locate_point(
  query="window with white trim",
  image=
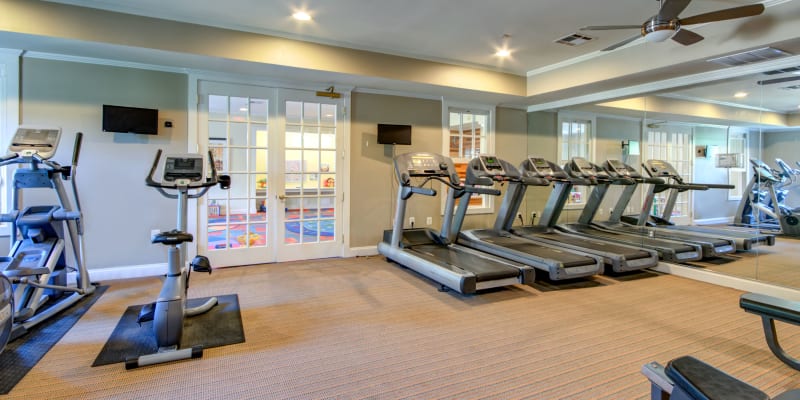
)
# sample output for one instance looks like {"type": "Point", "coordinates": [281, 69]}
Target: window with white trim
{"type": "Point", "coordinates": [9, 114]}
{"type": "Point", "coordinates": [469, 132]}
{"type": "Point", "coordinates": [737, 176]}
{"type": "Point", "coordinates": [575, 140]}
{"type": "Point", "coordinates": [673, 144]}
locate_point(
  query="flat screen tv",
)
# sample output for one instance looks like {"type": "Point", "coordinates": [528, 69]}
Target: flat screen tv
{"type": "Point", "coordinates": [394, 134]}
{"type": "Point", "coordinates": [130, 120]}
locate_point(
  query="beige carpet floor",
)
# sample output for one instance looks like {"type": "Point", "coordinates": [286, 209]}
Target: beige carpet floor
{"type": "Point", "coordinates": [364, 328]}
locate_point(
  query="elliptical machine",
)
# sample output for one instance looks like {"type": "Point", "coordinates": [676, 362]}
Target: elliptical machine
{"type": "Point", "coordinates": [187, 176]}
{"type": "Point", "coordinates": [34, 275]}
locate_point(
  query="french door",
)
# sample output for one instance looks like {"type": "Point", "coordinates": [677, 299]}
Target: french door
{"type": "Point", "coordinates": [281, 148]}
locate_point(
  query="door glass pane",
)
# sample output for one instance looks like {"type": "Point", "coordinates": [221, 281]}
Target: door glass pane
{"type": "Point", "coordinates": [238, 134]}
{"type": "Point", "coordinates": [311, 170]}
{"type": "Point", "coordinates": [237, 137]}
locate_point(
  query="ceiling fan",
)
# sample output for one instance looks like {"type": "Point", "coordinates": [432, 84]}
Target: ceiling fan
{"type": "Point", "coordinates": [666, 24]}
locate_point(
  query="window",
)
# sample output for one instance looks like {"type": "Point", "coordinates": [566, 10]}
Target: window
{"type": "Point", "coordinates": [9, 113]}
{"type": "Point", "coordinates": [737, 176]}
{"type": "Point", "coordinates": [674, 145]}
{"type": "Point", "coordinates": [575, 140]}
{"type": "Point", "coordinates": [469, 132]}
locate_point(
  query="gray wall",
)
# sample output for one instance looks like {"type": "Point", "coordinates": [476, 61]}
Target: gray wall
{"type": "Point", "coordinates": [119, 210]}
{"type": "Point", "coordinates": [711, 203]}
{"type": "Point", "coordinates": [372, 179]}
{"type": "Point", "coordinates": [542, 142]}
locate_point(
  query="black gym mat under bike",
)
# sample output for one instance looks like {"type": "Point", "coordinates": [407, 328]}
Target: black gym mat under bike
{"type": "Point", "coordinates": [220, 326]}
{"type": "Point", "coordinates": [23, 353]}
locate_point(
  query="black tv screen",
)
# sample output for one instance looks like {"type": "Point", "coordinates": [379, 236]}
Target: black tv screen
{"type": "Point", "coordinates": [394, 134]}
{"type": "Point", "coordinates": [130, 120]}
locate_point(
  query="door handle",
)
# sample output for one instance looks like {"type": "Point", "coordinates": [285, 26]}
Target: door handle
{"type": "Point", "coordinates": [282, 196]}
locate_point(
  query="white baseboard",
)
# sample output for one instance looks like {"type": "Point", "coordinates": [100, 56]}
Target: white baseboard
{"type": "Point", "coordinates": [125, 272]}
{"type": "Point", "coordinates": [362, 251]}
{"type": "Point", "coordinates": [735, 282]}
{"type": "Point", "coordinates": [714, 221]}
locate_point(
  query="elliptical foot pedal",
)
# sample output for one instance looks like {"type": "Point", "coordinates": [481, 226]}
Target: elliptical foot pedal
{"type": "Point", "coordinates": [147, 313]}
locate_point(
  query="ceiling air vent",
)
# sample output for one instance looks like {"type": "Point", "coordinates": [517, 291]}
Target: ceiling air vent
{"type": "Point", "coordinates": [750, 57]}
{"type": "Point", "coordinates": [575, 39]}
{"type": "Point", "coordinates": [782, 71]}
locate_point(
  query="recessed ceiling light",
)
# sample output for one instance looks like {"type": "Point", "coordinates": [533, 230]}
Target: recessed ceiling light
{"type": "Point", "coordinates": [503, 53]}
{"type": "Point", "coordinates": [301, 16]}
{"type": "Point", "coordinates": [740, 94]}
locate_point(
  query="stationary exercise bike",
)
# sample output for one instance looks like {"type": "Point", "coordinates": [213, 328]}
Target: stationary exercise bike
{"type": "Point", "coordinates": [187, 176]}
{"type": "Point", "coordinates": [33, 286]}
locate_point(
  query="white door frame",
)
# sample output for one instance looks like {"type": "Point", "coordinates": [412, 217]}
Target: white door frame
{"type": "Point", "coordinates": [193, 144]}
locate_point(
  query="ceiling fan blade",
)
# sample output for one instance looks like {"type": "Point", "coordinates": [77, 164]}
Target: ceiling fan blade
{"type": "Point", "coordinates": [671, 8]}
{"type": "Point", "coordinates": [609, 27]}
{"type": "Point", "coordinates": [686, 37]}
{"type": "Point", "coordinates": [779, 80]}
{"type": "Point", "coordinates": [622, 43]}
{"type": "Point", "coordinates": [722, 15]}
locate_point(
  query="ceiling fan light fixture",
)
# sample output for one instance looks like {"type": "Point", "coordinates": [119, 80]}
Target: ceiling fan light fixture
{"type": "Point", "coordinates": [659, 31]}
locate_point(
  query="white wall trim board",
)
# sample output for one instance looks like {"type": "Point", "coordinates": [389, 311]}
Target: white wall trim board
{"type": "Point", "coordinates": [362, 251]}
{"type": "Point", "coordinates": [714, 221]}
{"type": "Point", "coordinates": [743, 284]}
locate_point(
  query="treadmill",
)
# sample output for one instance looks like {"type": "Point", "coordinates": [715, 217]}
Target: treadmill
{"type": "Point", "coordinates": [593, 175]}
{"type": "Point", "coordinates": [616, 257]}
{"type": "Point", "coordinates": [744, 238]}
{"type": "Point", "coordinates": [559, 263]}
{"type": "Point", "coordinates": [712, 245]}
{"type": "Point", "coordinates": [430, 253]}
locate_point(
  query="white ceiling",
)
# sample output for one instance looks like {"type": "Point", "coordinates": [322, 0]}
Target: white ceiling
{"type": "Point", "coordinates": [464, 32]}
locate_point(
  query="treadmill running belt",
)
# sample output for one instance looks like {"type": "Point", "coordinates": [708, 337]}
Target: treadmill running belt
{"type": "Point", "coordinates": [484, 269]}
{"type": "Point", "coordinates": [589, 244]}
{"type": "Point", "coordinates": [644, 240]}
{"type": "Point", "coordinates": [522, 246]}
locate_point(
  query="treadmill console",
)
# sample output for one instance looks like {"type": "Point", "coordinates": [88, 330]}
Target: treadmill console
{"type": "Point", "coordinates": [540, 166]}
{"type": "Point", "coordinates": [423, 164]}
{"type": "Point", "coordinates": [619, 168]}
{"type": "Point", "coordinates": [183, 169]}
{"type": "Point", "coordinates": [41, 141]}
{"type": "Point", "coordinates": [659, 168]}
{"type": "Point", "coordinates": [491, 165]}
{"type": "Point", "coordinates": [583, 167]}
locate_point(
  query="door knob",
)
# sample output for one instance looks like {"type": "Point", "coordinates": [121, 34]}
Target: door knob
{"type": "Point", "coordinates": [282, 196]}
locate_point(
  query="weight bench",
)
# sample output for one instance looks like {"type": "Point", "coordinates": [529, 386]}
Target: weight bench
{"type": "Point", "coordinates": [687, 378]}
{"type": "Point", "coordinates": [771, 309]}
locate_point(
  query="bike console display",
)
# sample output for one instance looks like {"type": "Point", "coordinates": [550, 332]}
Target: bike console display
{"type": "Point", "coordinates": [187, 168]}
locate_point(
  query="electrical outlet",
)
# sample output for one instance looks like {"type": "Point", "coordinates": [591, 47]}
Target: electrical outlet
{"type": "Point", "coordinates": [411, 221]}
{"type": "Point", "coordinates": [429, 220]}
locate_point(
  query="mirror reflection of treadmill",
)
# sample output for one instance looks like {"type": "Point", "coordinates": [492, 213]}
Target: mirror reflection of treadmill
{"type": "Point", "coordinates": [743, 238]}
{"type": "Point", "coordinates": [616, 257]}
{"type": "Point", "coordinates": [710, 246]}
{"type": "Point", "coordinates": [668, 250]}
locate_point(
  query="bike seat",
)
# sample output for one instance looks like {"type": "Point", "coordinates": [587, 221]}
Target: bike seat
{"type": "Point", "coordinates": [172, 237]}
